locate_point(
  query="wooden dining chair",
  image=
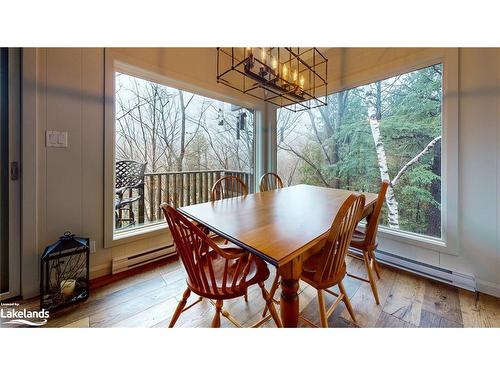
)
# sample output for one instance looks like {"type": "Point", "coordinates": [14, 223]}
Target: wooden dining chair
{"type": "Point", "coordinates": [215, 273]}
{"type": "Point", "coordinates": [228, 187]}
{"type": "Point", "coordinates": [270, 181]}
{"type": "Point", "coordinates": [365, 240]}
{"type": "Point", "coordinates": [327, 267]}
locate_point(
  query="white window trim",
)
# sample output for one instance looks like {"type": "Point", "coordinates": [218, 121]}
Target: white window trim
{"type": "Point", "coordinates": [114, 62]}
{"type": "Point", "coordinates": [448, 243]}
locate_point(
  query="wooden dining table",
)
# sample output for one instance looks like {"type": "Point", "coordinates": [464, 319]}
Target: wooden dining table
{"type": "Point", "coordinates": [280, 226]}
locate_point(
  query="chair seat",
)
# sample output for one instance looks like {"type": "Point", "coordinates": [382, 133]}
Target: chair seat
{"type": "Point", "coordinates": [119, 203]}
{"type": "Point", "coordinates": [309, 269]}
{"type": "Point", "coordinates": [359, 241]}
{"type": "Point", "coordinates": [219, 240]}
{"type": "Point", "coordinates": [223, 243]}
{"type": "Point", "coordinates": [258, 272]}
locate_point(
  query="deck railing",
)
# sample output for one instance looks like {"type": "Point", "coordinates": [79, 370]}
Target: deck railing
{"type": "Point", "coordinates": [179, 189]}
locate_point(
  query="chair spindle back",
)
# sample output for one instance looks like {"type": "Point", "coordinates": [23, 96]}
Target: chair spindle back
{"type": "Point", "coordinates": [270, 181]}
{"type": "Point", "coordinates": [228, 187]}
{"type": "Point", "coordinates": [373, 220]}
{"type": "Point", "coordinates": [335, 249]}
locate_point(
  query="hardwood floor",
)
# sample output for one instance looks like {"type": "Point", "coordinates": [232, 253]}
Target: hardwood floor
{"type": "Point", "coordinates": [148, 299]}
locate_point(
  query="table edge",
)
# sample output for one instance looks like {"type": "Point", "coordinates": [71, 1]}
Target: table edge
{"type": "Point", "coordinates": [231, 239]}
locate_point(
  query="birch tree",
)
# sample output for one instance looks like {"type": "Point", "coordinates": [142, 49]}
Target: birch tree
{"type": "Point", "coordinates": [375, 115]}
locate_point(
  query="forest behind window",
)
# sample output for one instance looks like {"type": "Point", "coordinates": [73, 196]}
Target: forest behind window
{"type": "Point", "coordinates": [386, 130]}
{"type": "Point", "coordinates": [177, 133]}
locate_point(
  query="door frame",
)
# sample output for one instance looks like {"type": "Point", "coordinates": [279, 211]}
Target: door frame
{"type": "Point", "coordinates": [14, 186]}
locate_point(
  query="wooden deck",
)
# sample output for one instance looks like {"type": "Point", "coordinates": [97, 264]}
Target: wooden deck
{"type": "Point", "coordinates": [148, 299]}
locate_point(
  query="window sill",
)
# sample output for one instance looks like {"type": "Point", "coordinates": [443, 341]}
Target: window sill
{"type": "Point", "coordinates": [429, 243]}
{"type": "Point", "coordinates": [138, 234]}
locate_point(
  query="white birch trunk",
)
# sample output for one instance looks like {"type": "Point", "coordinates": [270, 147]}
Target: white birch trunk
{"type": "Point", "coordinates": [392, 204]}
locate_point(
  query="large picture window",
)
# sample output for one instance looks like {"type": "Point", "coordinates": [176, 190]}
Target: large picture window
{"type": "Point", "coordinates": [389, 129]}
{"type": "Point", "coordinates": [171, 146]}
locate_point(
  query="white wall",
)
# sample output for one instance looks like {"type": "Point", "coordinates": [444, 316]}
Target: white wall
{"type": "Point", "coordinates": [63, 188]}
{"type": "Point", "coordinates": [479, 165]}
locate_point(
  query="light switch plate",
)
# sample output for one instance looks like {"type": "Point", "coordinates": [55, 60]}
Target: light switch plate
{"type": "Point", "coordinates": [56, 138]}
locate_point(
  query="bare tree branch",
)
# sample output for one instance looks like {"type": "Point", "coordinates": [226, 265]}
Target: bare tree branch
{"type": "Point", "coordinates": [405, 167]}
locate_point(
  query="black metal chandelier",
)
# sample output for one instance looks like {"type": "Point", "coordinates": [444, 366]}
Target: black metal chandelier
{"type": "Point", "coordinates": [294, 78]}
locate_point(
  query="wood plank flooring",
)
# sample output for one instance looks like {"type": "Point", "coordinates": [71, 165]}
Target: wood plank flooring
{"type": "Point", "coordinates": [149, 299]}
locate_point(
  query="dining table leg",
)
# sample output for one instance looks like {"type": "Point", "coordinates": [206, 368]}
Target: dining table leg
{"type": "Point", "coordinates": [289, 301]}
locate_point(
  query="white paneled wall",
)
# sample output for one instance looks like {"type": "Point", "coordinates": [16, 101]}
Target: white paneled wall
{"type": "Point", "coordinates": [478, 158]}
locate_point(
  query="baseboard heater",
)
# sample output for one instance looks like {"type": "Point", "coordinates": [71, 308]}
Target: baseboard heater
{"type": "Point", "coordinates": [125, 263]}
{"type": "Point", "coordinates": [426, 270]}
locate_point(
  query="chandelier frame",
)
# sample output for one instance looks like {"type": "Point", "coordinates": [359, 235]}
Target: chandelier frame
{"type": "Point", "coordinates": [294, 78]}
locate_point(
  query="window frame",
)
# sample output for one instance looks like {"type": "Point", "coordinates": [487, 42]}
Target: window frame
{"type": "Point", "coordinates": [115, 62]}
{"type": "Point", "coordinates": [398, 241]}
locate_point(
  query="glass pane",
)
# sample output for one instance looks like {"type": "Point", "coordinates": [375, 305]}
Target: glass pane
{"type": "Point", "coordinates": [389, 129]}
{"type": "Point", "coordinates": [186, 142]}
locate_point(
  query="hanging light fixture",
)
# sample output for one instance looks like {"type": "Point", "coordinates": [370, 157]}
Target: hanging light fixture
{"type": "Point", "coordinates": [294, 78]}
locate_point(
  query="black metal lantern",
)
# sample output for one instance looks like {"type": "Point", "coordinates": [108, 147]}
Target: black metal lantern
{"type": "Point", "coordinates": [64, 272]}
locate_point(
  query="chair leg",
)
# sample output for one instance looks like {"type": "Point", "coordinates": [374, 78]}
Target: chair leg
{"type": "Point", "coordinates": [272, 292]}
{"type": "Point", "coordinates": [270, 305]}
{"type": "Point", "coordinates": [346, 300]}
{"type": "Point", "coordinates": [375, 264]}
{"type": "Point", "coordinates": [218, 308]}
{"type": "Point", "coordinates": [322, 310]}
{"type": "Point", "coordinates": [370, 276]}
{"type": "Point", "coordinates": [179, 308]}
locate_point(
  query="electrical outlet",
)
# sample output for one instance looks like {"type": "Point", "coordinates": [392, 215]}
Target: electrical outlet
{"type": "Point", "coordinates": [92, 246]}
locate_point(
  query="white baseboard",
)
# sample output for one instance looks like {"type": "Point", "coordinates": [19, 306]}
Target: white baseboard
{"type": "Point", "coordinates": [100, 270]}
{"type": "Point", "coordinates": [488, 287]}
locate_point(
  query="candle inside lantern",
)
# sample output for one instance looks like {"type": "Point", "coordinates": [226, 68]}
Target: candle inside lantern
{"type": "Point", "coordinates": [294, 76]}
{"type": "Point", "coordinates": [301, 82]}
{"type": "Point", "coordinates": [68, 287]}
{"type": "Point", "coordinates": [263, 55]}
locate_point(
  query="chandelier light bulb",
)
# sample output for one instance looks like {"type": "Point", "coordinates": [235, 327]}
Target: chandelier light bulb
{"type": "Point", "coordinates": [274, 63]}
{"type": "Point", "coordinates": [301, 82]}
